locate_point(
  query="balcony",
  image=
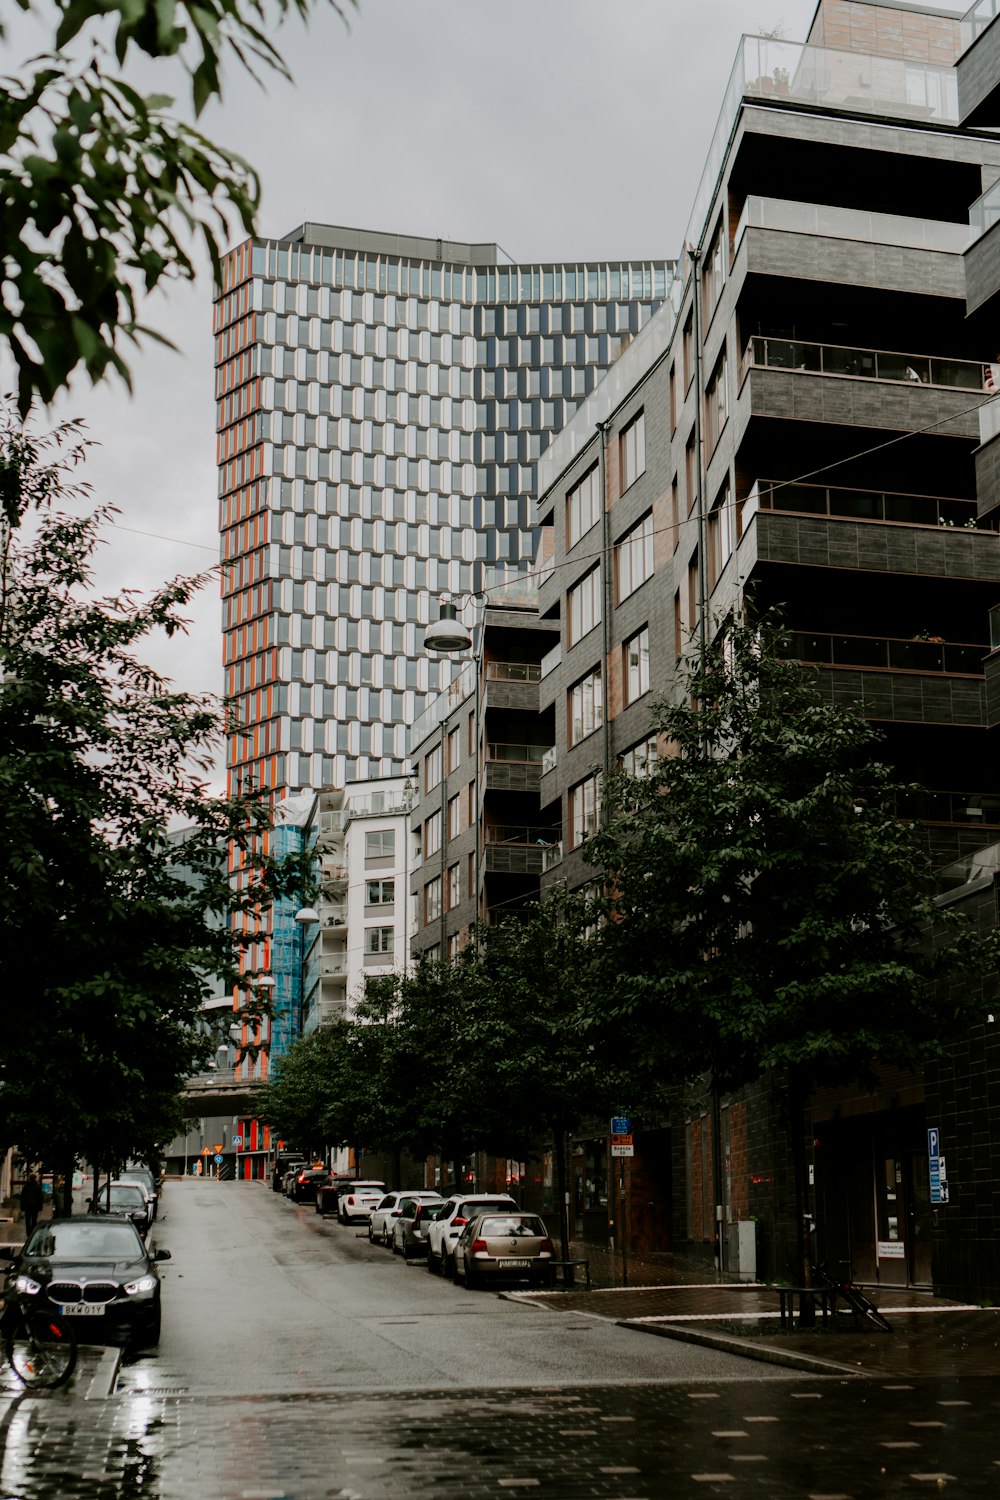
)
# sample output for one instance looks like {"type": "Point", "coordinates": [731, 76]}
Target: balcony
{"type": "Point", "coordinates": [334, 916]}
{"type": "Point", "coordinates": [919, 654]}
{"type": "Point", "coordinates": [516, 850]}
{"type": "Point", "coordinates": [874, 388]}
{"type": "Point", "coordinates": [978, 68]}
{"type": "Point", "coordinates": [513, 685]}
{"type": "Point", "coordinates": [829, 222]}
{"type": "Point", "coordinates": [514, 768]}
{"type": "Point", "coordinates": [513, 671]}
{"type": "Point", "coordinates": [884, 506]}
{"type": "Point", "coordinates": [982, 255]}
{"type": "Point", "coordinates": [793, 73]}
{"type": "Point", "coordinates": [980, 809]}
{"type": "Point", "coordinates": [552, 856]}
{"type": "Point", "coordinates": [333, 966]}
{"type": "Point", "coordinates": [551, 659]}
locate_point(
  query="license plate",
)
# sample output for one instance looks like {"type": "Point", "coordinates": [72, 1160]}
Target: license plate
{"type": "Point", "coordinates": [81, 1309]}
{"type": "Point", "coordinates": [517, 1265]}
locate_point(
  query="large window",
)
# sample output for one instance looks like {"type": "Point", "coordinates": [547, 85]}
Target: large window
{"type": "Point", "coordinates": [381, 844]}
{"type": "Point", "coordinates": [432, 899]}
{"type": "Point", "coordinates": [432, 834]}
{"type": "Point", "coordinates": [584, 605]}
{"type": "Point", "coordinates": [584, 807]}
{"type": "Point", "coordinates": [715, 403]}
{"type": "Point", "coordinates": [454, 816]}
{"type": "Point", "coordinates": [713, 273]}
{"type": "Point", "coordinates": [380, 892]}
{"type": "Point", "coordinates": [454, 748]}
{"type": "Point", "coordinates": [378, 939]}
{"type": "Point", "coordinates": [635, 677]}
{"type": "Point", "coordinates": [638, 760]}
{"type": "Point", "coordinates": [432, 769]}
{"type": "Point", "coordinates": [454, 886]}
{"type": "Point", "coordinates": [720, 536]}
{"type": "Point", "coordinates": [632, 451]}
{"type": "Point", "coordinates": [586, 706]}
{"type": "Point", "coordinates": [635, 557]}
{"type": "Point", "coordinates": [583, 505]}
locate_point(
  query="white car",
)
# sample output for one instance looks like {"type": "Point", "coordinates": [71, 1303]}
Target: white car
{"type": "Point", "coordinates": [385, 1214]}
{"type": "Point", "coordinates": [356, 1200]}
{"type": "Point", "coordinates": [443, 1233]}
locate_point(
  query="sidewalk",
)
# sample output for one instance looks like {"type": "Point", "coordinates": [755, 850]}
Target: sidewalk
{"type": "Point", "coordinates": [672, 1297]}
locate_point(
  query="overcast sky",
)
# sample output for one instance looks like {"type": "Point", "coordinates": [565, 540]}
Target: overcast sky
{"type": "Point", "coordinates": [564, 129]}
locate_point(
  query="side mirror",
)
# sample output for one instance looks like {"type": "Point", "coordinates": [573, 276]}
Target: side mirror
{"type": "Point", "coordinates": [163, 1255]}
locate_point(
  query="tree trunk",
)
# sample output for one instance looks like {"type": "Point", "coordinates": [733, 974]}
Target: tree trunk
{"type": "Point", "coordinates": [798, 1099]}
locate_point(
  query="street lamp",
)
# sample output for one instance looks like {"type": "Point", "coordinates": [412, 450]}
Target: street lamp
{"type": "Point", "coordinates": [446, 636]}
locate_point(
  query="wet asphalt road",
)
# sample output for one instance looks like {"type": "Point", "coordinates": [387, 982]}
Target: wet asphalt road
{"type": "Point", "coordinates": [300, 1363]}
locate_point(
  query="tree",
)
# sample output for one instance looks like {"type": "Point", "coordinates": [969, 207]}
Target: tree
{"type": "Point", "coordinates": [768, 909]}
{"type": "Point", "coordinates": [104, 192]}
{"type": "Point", "coordinates": [114, 894]}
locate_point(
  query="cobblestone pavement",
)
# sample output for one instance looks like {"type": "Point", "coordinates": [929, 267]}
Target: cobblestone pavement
{"type": "Point", "coordinates": [786, 1440]}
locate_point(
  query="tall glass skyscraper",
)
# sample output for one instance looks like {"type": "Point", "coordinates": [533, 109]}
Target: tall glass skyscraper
{"type": "Point", "coordinates": [382, 403]}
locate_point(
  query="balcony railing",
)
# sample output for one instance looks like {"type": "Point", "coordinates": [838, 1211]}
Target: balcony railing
{"type": "Point", "coordinates": [551, 659]}
{"type": "Point", "coordinates": [977, 18]}
{"type": "Point", "coordinates": [862, 505]}
{"type": "Point", "coordinates": [533, 754]}
{"type": "Point", "coordinates": [984, 212]}
{"type": "Point", "coordinates": [513, 671]}
{"type": "Point", "coordinates": [862, 364]}
{"type": "Point", "coordinates": [551, 856]}
{"type": "Point", "coordinates": [982, 809]}
{"type": "Point", "coordinates": [334, 916]}
{"type": "Point", "coordinates": [503, 833]}
{"type": "Point", "coordinates": [549, 760]}
{"type": "Point", "coordinates": [851, 224]}
{"type": "Point", "coordinates": [919, 654]}
{"type": "Point", "coordinates": [333, 968]}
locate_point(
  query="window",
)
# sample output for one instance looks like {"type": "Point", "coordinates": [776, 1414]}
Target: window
{"type": "Point", "coordinates": [378, 939]}
{"type": "Point", "coordinates": [432, 899]}
{"type": "Point", "coordinates": [690, 473]}
{"type": "Point", "coordinates": [688, 349]}
{"type": "Point", "coordinates": [720, 536]}
{"type": "Point", "coordinates": [432, 769]}
{"type": "Point", "coordinates": [454, 748]}
{"type": "Point", "coordinates": [583, 505]}
{"type": "Point", "coordinates": [583, 603]}
{"type": "Point", "coordinates": [584, 804]}
{"type": "Point", "coordinates": [635, 557]}
{"type": "Point", "coordinates": [454, 885]}
{"type": "Point", "coordinates": [380, 892]}
{"type": "Point", "coordinates": [673, 398]}
{"type": "Point", "coordinates": [381, 844]}
{"type": "Point", "coordinates": [675, 514]}
{"type": "Point", "coordinates": [678, 626]}
{"type": "Point", "coordinates": [713, 273]}
{"type": "Point", "coordinates": [638, 760]}
{"type": "Point", "coordinates": [454, 816]}
{"type": "Point", "coordinates": [632, 451]}
{"type": "Point", "coordinates": [432, 834]}
{"type": "Point", "coordinates": [635, 674]}
{"type": "Point", "coordinates": [586, 706]}
{"type": "Point", "coordinates": [715, 403]}
{"type": "Point", "coordinates": [692, 591]}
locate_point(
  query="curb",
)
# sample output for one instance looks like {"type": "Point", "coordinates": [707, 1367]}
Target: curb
{"type": "Point", "coordinates": [765, 1353]}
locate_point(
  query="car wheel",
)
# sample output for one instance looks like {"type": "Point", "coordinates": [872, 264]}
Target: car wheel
{"type": "Point", "coordinates": [432, 1260]}
{"type": "Point", "coordinates": [471, 1280]}
{"type": "Point", "coordinates": [340, 1217]}
{"type": "Point", "coordinates": [447, 1265]}
{"type": "Point", "coordinates": [457, 1276]}
{"type": "Point", "coordinates": [151, 1337]}
{"type": "Point", "coordinates": [396, 1249]}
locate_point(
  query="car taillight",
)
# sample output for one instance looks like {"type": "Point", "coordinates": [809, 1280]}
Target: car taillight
{"type": "Point", "coordinates": [351, 1198]}
{"type": "Point", "coordinates": [479, 1247]}
{"type": "Point", "coordinates": [546, 1247]}
{"type": "Point", "coordinates": [303, 1177]}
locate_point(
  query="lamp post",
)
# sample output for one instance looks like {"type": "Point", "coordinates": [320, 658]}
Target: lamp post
{"type": "Point", "coordinates": [447, 636]}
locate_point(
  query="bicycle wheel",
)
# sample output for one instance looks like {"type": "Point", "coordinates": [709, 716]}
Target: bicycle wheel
{"type": "Point", "coordinates": [41, 1350]}
{"type": "Point", "coordinates": [859, 1303]}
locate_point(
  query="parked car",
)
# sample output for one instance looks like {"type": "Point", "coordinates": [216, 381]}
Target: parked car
{"type": "Point", "coordinates": [95, 1268]}
{"type": "Point", "coordinates": [356, 1201]}
{"type": "Point", "coordinates": [409, 1231]}
{"type": "Point", "coordinates": [129, 1199]}
{"type": "Point", "coordinates": [282, 1162]}
{"type": "Point", "coordinates": [149, 1180]}
{"type": "Point", "coordinates": [305, 1183]}
{"type": "Point", "coordinates": [443, 1232]}
{"type": "Point", "coordinates": [385, 1213]}
{"type": "Point", "coordinates": [287, 1182]}
{"type": "Point", "coordinates": [496, 1247]}
{"type": "Point", "coordinates": [327, 1194]}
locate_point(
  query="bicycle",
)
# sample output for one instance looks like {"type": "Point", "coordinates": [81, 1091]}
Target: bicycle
{"type": "Point", "coordinates": [40, 1346]}
{"type": "Point", "coordinates": [853, 1296]}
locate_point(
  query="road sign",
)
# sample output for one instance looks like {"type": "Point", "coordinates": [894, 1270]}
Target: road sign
{"type": "Point", "coordinates": [218, 1159]}
{"type": "Point", "coordinates": [206, 1150]}
{"type": "Point", "coordinates": [217, 1149]}
{"type": "Point", "coordinates": [621, 1145]}
{"type": "Point", "coordinates": [936, 1168]}
{"type": "Point", "coordinates": [933, 1142]}
{"type": "Point", "coordinates": [621, 1125]}
{"type": "Point", "coordinates": [237, 1140]}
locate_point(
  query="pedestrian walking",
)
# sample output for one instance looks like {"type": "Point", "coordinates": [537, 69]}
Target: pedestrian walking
{"type": "Point", "coordinates": [31, 1202]}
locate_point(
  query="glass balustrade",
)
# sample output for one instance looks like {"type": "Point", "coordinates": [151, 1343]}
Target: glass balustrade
{"type": "Point", "coordinates": [864, 505]}
{"type": "Point", "coordinates": [985, 212]}
{"type": "Point", "coordinates": [919, 654]}
{"type": "Point", "coordinates": [864, 364]}
{"type": "Point", "coordinates": [532, 754]}
{"type": "Point", "coordinates": [977, 18]}
{"type": "Point", "coordinates": [513, 671]}
{"type": "Point", "coordinates": [500, 833]}
{"type": "Point", "coordinates": [982, 809]}
{"type": "Point", "coordinates": [851, 224]}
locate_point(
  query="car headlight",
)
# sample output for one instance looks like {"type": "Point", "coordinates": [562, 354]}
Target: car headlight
{"type": "Point", "coordinates": [25, 1285]}
{"type": "Point", "coordinates": [144, 1284]}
